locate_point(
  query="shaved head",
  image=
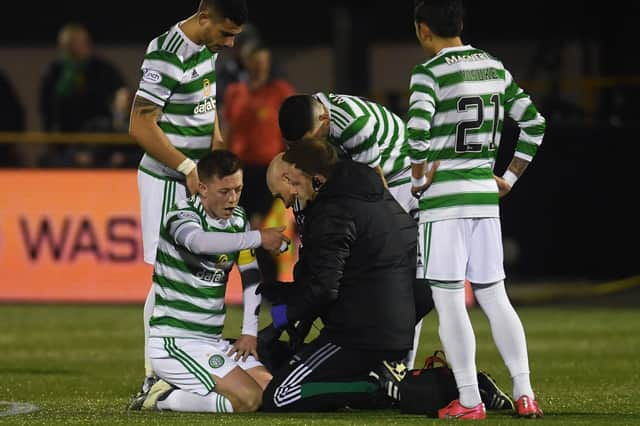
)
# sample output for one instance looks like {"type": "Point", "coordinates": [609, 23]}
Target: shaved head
{"type": "Point", "coordinates": [275, 171]}
{"type": "Point", "coordinates": [277, 180]}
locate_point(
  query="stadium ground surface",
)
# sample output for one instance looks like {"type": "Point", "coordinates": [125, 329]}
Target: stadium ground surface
{"type": "Point", "coordinates": [79, 364]}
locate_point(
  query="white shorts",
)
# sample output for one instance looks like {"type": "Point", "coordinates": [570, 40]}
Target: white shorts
{"type": "Point", "coordinates": [189, 363]}
{"type": "Point", "coordinates": [459, 249]}
{"type": "Point", "coordinates": [157, 195]}
{"type": "Point", "coordinates": [402, 194]}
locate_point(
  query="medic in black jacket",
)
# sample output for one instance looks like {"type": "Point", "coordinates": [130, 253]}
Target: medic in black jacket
{"type": "Point", "coordinates": [356, 272]}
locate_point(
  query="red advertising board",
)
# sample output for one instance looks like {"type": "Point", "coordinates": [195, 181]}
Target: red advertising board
{"type": "Point", "coordinates": [74, 236]}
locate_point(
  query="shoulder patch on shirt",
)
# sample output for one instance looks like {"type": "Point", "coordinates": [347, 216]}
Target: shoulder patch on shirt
{"type": "Point", "coordinates": [151, 76]}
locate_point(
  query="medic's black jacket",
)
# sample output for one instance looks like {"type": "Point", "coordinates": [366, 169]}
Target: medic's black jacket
{"type": "Point", "coordinates": [357, 267]}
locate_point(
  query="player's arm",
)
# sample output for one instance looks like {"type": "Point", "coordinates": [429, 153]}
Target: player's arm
{"type": "Point", "coordinates": [143, 126]}
{"type": "Point", "coordinates": [380, 173]}
{"type": "Point", "coordinates": [161, 73]}
{"type": "Point", "coordinates": [360, 142]}
{"type": "Point", "coordinates": [184, 226]}
{"type": "Point", "coordinates": [422, 100]}
{"type": "Point", "coordinates": [515, 169]}
{"type": "Point", "coordinates": [247, 343]}
{"type": "Point", "coordinates": [217, 142]}
{"type": "Point", "coordinates": [532, 126]}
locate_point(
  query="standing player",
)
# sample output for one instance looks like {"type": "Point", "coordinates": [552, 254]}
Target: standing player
{"type": "Point", "coordinates": [174, 116]}
{"type": "Point", "coordinates": [363, 131]}
{"type": "Point", "coordinates": [457, 103]}
{"type": "Point", "coordinates": [200, 241]}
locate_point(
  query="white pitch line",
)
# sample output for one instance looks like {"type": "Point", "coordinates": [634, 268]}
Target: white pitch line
{"type": "Point", "coordinates": [9, 408]}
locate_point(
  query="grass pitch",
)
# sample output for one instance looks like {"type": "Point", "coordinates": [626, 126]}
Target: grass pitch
{"type": "Point", "coordinates": [79, 364]}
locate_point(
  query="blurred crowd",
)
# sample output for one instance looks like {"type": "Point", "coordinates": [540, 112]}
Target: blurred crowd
{"type": "Point", "coordinates": [81, 91]}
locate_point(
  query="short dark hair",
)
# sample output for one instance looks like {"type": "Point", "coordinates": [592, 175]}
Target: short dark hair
{"type": "Point", "coordinates": [296, 117]}
{"type": "Point", "coordinates": [236, 10]}
{"type": "Point", "coordinates": [444, 17]}
{"type": "Point", "coordinates": [218, 163]}
{"type": "Point", "coordinates": [312, 157]}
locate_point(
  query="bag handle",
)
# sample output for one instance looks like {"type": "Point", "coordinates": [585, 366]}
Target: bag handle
{"type": "Point", "coordinates": [431, 361]}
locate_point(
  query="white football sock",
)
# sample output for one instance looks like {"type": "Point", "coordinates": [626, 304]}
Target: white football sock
{"type": "Point", "coordinates": [458, 341]}
{"type": "Point", "coordinates": [508, 334]}
{"type": "Point", "coordinates": [149, 304]}
{"type": "Point", "coordinates": [410, 359]}
{"type": "Point", "coordinates": [189, 402]}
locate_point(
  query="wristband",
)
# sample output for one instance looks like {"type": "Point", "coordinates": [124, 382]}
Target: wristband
{"type": "Point", "coordinates": [186, 166]}
{"type": "Point", "coordinates": [416, 183]}
{"type": "Point", "coordinates": [510, 177]}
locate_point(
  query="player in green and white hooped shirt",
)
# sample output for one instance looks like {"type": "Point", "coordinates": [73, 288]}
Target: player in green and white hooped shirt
{"type": "Point", "coordinates": [359, 129]}
{"type": "Point", "coordinates": [458, 98]}
{"type": "Point", "coordinates": [174, 115]}
{"type": "Point", "coordinates": [201, 239]}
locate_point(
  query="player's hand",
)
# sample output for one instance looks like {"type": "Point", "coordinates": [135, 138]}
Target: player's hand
{"type": "Point", "coordinates": [192, 182]}
{"type": "Point", "coordinates": [385, 183]}
{"type": "Point", "coordinates": [417, 191]}
{"type": "Point", "coordinates": [503, 186]}
{"type": "Point", "coordinates": [243, 347]}
{"type": "Point", "coordinates": [273, 239]}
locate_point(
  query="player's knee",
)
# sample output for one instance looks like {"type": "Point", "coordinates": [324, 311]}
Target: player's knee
{"type": "Point", "coordinates": [255, 400]}
{"type": "Point", "coordinates": [249, 400]}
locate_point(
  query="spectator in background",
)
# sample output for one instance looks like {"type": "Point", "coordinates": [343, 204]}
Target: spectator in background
{"type": "Point", "coordinates": [103, 155]}
{"type": "Point", "coordinates": [77, 88]}
{"type": "Point", "coordinates": [253, 134]}
{"type": "Point", "coordinates": [11, 120]}
{"type": "Point", "coordinates": [229, 66]}
{"type": "Point", "coordinates": [117, 121]}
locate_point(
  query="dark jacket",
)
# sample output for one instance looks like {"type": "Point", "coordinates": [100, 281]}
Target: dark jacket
{"type": "Point", "coordinates": [357, 267]}
{"type": "Point", "coordinates": [73, 94]}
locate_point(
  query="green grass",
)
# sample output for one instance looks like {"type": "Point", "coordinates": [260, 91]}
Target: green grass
{"type": "Point", "coordinates": [80, 363]}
